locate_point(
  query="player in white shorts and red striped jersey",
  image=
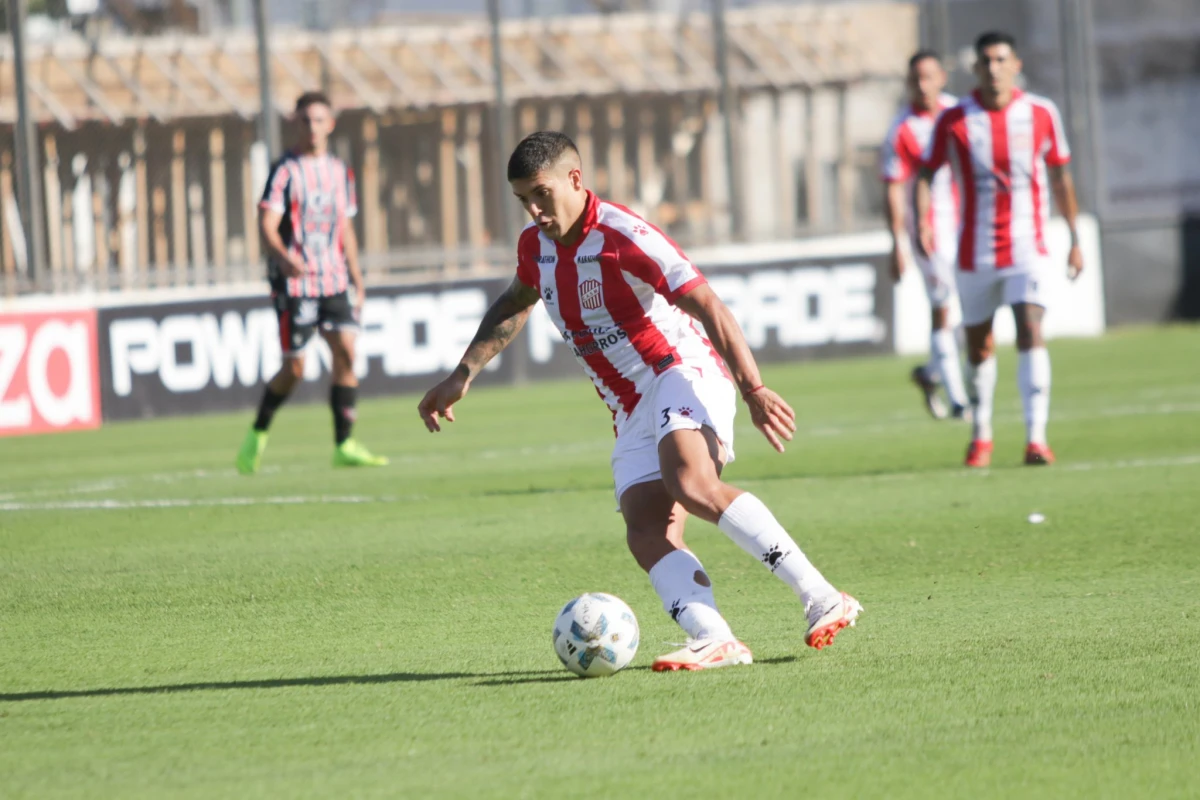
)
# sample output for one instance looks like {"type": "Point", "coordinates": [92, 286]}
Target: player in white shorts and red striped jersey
{"type": "Point", "coordinates": [899, 162]}
{"type": "Point", "coordinates": [1006, 148]}
{"type": "Point", "coordinates": [668, 359]}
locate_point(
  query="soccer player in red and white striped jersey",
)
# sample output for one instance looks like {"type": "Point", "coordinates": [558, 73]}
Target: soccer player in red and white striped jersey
{"type": "Point", "coordinates": [1008, 152]}
{"type": "Point", "coordinates": [305, 218]}
{"type": "Point", "coordinates": [899, 162]}
{"type": "Point", "coordinates": [668, 359]}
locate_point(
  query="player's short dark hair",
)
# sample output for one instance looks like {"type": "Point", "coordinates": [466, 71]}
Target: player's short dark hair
{"type": "Point", "coordinates": [311, 99]}
{"type": "Point", "coordinates": [537, 152]}
{"type": "Point", "coordinates": [921, 55]}
{"type": "Point", "coordinates": [992, 38]}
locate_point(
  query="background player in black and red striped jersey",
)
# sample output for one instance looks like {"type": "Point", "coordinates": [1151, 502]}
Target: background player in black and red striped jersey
{"type": "Point", "coordinates": [312, 261]}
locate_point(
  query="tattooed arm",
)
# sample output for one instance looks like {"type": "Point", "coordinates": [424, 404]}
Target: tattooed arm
{"type": "Point", "coordinates": [502, 322]}
{"type": "Point", "coordinates": [500, 325]}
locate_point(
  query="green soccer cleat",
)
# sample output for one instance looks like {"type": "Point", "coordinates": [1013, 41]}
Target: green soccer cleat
{"type": "Point", "coordinates": [352, 454]}
{"type": "Point", "coordinates": [249, 457]}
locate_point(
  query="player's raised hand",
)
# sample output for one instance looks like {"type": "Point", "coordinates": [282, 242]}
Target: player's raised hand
{"type": "Point", "coordinates": [772, 416]}
{"type": "Point", "coordinates": [1074, 262]}
{"type": "Point", "coordinates": [439, 401]}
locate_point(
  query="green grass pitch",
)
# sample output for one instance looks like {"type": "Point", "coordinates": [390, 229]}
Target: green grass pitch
{"type": "Point", "coordinates": [168, 629]}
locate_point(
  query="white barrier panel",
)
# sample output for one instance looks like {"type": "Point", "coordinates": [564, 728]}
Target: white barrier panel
{"type": "Point", "coordinates": [825, 247]}
{"type": "Point", "coordinates": [185, 351]}
{"type": "Point", "coordinates": [1074, 308]}
{"type": "Point", "coordinates": [49, 378]}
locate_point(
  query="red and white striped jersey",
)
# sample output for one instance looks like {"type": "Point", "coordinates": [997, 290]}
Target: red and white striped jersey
{"type": "Point", "coordinates": [316, 196]}
{"type": "Point", "coordinates": [999, 159]}
{"type": "Point", "coordinates": [612, 297]}
{"type": "Point", "coordinates": [899, 161]}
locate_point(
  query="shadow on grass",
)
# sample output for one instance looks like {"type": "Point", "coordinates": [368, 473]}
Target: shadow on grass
{"type": "Point", "coordinates": [517, 679]}
{"type": "Point", "coordinates": [274, 683]}
{"type": "Point", "coordinates": [486, 679]}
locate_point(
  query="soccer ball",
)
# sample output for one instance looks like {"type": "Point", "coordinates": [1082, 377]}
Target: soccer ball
{"type": "Point", "coordinates": [595, 634]}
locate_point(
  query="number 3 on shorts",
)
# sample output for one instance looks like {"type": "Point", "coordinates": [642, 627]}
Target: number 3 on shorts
{"type": "Point", "coordinates": [666, 412]}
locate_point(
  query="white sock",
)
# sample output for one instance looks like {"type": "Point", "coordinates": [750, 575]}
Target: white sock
{"type": "Point", "coordinates": [943, 352]}
{"type": "Point", "coordinates": [1033, 379]}
{"type": "Point", "coordinates": [677, 579]}
{"type": "Point", "coordinates": [753, 527]}
{"type": "Point", "coordinates": [982, 378]}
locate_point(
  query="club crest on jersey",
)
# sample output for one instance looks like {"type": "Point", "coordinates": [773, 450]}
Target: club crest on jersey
{"type": "Point", "coordinates": [591, 296]}
{"type": "Point", "coordinates": [317, 203]}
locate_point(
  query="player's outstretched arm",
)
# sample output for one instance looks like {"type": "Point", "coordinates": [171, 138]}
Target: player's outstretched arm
{"type": "Point", "coordinates": [500, 325]}
{"type": "Point", "coordinates": [1063, 187]}
{"type": "Point", "coordinates": [770, 414]}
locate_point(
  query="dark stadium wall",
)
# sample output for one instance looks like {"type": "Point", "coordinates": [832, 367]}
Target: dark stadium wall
{"type": "Point", "coordinates": [215, 354]}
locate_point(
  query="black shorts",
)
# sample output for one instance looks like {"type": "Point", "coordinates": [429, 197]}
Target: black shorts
{"type": "Point", "coordinates": [300, 317]}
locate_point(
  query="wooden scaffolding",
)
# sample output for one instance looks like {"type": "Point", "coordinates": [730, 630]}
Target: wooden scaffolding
{"type": "Point", "coordinates": [147, 143]}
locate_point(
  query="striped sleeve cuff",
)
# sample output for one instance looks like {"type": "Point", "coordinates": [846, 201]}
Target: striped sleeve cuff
{"type": "Point", "coordinates": [679, 292]}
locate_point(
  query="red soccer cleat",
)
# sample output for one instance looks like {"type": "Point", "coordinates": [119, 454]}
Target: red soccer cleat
{"type": "Point", "coordinates": [979, 454]}
{"type": "Point", "coordinates": [1039, 455]}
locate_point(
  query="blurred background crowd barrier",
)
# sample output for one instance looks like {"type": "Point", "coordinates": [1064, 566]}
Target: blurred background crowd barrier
{"type": "Point", "coordinates": [151, 149]}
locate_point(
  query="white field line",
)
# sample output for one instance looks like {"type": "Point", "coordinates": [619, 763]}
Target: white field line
{"type": "Point", "coordinates": [890, 423]}
{"type": "Point", "coordinates": [896, 423]}
{"type": "Point", "coordinates": [976, 474]}
{"type": "Point", "coordinates": [1135, 463]}
{"type": "Point", "coordinates": [125, 505]}
{"type": "Point", "coordinates": [95, 486]}
{"type": "Point", "coordinates": [207, 502]}
{"type": "Point", "coordinates": [115, 482]}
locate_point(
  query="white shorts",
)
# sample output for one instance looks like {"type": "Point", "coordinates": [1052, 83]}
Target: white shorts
{"type": "Point", "coordinates": [678, 399]}
{"type": "Point", "coordinates": [983, 291]}
{"type": "Point", "coordinates": [938, 273]}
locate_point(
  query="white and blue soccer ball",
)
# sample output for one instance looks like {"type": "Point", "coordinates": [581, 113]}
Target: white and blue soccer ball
{"type": "Point", "coordinates": [595, 634]}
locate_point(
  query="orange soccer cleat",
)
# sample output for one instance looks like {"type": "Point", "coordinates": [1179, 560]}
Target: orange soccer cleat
{"type": "Point", "coordinates": [827, 620]}
{"type": "Point", "coordinates": [704, 654]}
